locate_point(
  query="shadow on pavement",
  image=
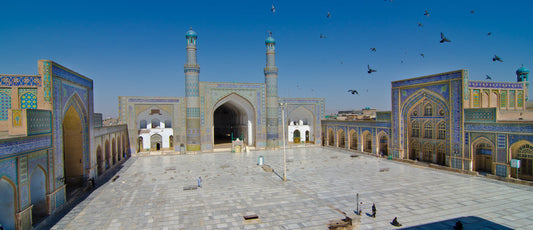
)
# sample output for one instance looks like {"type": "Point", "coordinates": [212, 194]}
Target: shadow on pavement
{"type": "Point", "coordinates": [469, 222]}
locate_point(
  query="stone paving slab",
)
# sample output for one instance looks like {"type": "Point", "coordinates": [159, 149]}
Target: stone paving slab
{"type": "Point", "coordinates": [322, 184]}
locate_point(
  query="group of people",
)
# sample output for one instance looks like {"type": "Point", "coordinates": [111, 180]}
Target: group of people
{"type": "Point", "coordinates": [374, 210]}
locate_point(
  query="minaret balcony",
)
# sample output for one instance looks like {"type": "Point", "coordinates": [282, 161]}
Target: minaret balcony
{"type": "Point", "coordinates": [271, 70]}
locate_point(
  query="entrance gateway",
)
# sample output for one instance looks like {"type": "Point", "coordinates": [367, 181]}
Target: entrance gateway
{"type": "Point", "coordinates": [233, 117]}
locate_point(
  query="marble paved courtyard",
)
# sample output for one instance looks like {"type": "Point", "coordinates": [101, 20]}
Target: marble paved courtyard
{"type": "Point", "coordinates": [322, 183]}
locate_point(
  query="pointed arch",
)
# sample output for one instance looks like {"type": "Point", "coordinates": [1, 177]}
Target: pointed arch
{"type": "Point", "coordinates": [38, 191]}
{"type": "Point", "coordinates": [523, 151]}
{"type": "Point", "coordinates": [383, 146]}
{"type": "Point", "coordinates": [8, 203]}
{"type": "Point", "coordinates": [341, 139]}
{"type": "Point", "coordinates": [331, 137]}
{"type": "Point", "coordinates": [421, 97]}
{"type": "Point", "coordinates": [367, 141]}
{"type": "Point", "coordinates": [304, 114]}
{"type": "Point", "coordinates": [483, 151]}
{"type": "Point", "coordinates": [244, 122]}
{"type": "Point", "coordinates": [353, 139]}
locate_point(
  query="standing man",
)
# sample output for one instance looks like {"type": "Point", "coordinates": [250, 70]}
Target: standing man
{"type": "Point", "coordinates": [374, 210]}
{"type": "Point", "coordinates": [199, 182]}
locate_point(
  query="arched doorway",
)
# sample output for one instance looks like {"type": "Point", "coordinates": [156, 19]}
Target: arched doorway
{"type": "Point", "coordinates": [7, 204]}
{"type": "Point", "coordinates": [353, 140]}
{"type": "Point", "coordinates": [100, 160]}
{"type": "Point", "coordinates": [331, 137]}
{"type": "Point", "coordinates": [367, 147]}
{"type": "Point", "coordinates": [107, 154]}
{"type": "Point", "coordinates": [233, 117]}
{"type": "Point", "coordinates": [524, 152]}
{"type": "Point", "coordinates": [114, 150]}
{"type": "Point", "coordinates": [428, 153]}
{"type": "Point", "coordinates": [384, 145]}
{"type": "Point", "coordinates": [140, 147]}
{"type": "Point", "coordinates": [38, 194]}
{"type": "Point", "coordinates": [156, 142]}
{"type": "Point", "coordinates": [441, 155]}
{"type": "Point", "coordinates": [414, 150]}
{"type": "Point", "coordinates": [483, 156]}
{"type": "Point", "coordinates": [296, 136]}
{"type": "Point", "coordinates": [73, 149]}
{"type": "Point", "coordinates": [303, 117]}
{"type": "Point", "coordinates": [341, 138]}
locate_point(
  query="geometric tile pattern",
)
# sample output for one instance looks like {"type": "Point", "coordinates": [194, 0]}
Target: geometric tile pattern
{"type": "Point", "coordinates": [28, 100]}
{"type": "Point", "coordinates": [39, 121]}
{"type": "Point", "coordinates": [480, 115]}
{"type": "Point", "coordinates": [20, 80]}
{"type": "Point", "coordinates": [497, 85]}
{"type": "Point", "coordinates": [47, 81]}
{"type": "Point", "coordinates": [5, 104]}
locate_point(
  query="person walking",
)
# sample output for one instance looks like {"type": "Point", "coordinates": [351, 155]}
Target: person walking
{"type": "Point", "coordinates": [374, 210]}
{"type": "Point", "coordinates": [199, 182]}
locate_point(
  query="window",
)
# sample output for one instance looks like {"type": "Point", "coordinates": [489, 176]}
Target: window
{"type": "Point", "coordinates": [442, 130]}
{"type": "Point", "coordinates": [428, 130]}
{"type": "Point", "coordinates": [428, 110]}
{"type": "Point", "coordinates": [155, 123]}
{"type": "Point", "coordinates": [168, 124]}
{"type": "Point", "coordinates": [142, 124]}
{"type": "Point", "coordinates": [415, 129]}
{"type": "Point", "coordinates": [28, 101]}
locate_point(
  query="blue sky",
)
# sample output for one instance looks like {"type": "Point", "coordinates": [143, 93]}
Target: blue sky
{"type": "Point", "coordinates": [137, 48]}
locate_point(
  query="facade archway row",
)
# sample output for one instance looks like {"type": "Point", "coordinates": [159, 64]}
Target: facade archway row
{"type": "Point", "coordinates": [105, 156]}
{"type": "Point", "coordinates": [363, 136]}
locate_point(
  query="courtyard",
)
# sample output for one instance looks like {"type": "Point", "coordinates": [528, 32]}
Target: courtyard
{"type": "Point", "coordinates": [322, 184]}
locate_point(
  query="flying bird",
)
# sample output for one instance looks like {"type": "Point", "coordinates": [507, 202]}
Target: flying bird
{"type": "Point", "coordinates": [420, 24]}
{"type": "Point", "coordinates": [443, 38]}
{"type": "Point", "coordinates": [496, 58]}
{"type": "Point", "coordinates": [401, 62]}
{"type": "Point", "coordinates": [342, 63]}
{"type": "Point", "coordinates": [489, 33]}
{"type": "Point", "coordinates": [426, 13]}
{"type": "Point", "coordinates": [472, 11]}
{"type": "Point", "coordinates": [329, 15]}
{"type": "Point", "coordinates": [422, 54]}
{"type": "Point", "coordinates": [370, 70]}
{"type": "Point", "coordinates": [488, 77]}
{"type": "Point", "coordinates": [373, 49]}
{"type": "Point", "coordinates": [353, 91]}
{"type": "Point", "coordinates": [273, 9]}
{"type": "Point", "coordinates": [322, 36]}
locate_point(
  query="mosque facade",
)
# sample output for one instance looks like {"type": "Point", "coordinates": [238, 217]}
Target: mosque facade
{"type": "Point", "coordinates": [51, 143]}
{"type": "Point", "coordinates": [213, 114]}
{"type": "Point", "coordinates": [449, 121]}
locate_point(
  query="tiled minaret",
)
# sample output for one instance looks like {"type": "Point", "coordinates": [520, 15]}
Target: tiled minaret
{"type": "Point", "coordinates": [192, 94]}
{"type": "Point", "coordinates": [272, 106]}
{"type": "Point", "coordinates": [522, 76]}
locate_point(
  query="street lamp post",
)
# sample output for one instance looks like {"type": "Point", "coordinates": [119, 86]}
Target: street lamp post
{"type": "Point", "coordinates": [282, 105]}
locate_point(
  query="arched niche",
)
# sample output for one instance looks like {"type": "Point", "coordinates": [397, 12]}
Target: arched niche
{"type": "Point", "coordinates": [235, 115]}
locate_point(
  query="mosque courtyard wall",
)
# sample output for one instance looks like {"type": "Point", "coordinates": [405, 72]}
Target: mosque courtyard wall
{"type": "Point", "coordinates": [49, 140]}
{"type": "Point", "coordinates": [447, 120]}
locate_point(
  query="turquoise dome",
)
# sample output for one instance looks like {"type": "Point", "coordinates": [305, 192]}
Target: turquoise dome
{"type": "Point", "coordinates": [190, 33]}
{"type": "Point", "coordinates": [270, 40]}
{"type": "Point", "coordinates": [522, 70]}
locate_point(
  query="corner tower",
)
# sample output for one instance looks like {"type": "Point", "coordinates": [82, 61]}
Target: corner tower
{"type": "Point", "coordinates": [522, 76]}
{"type": "Point", "coordinates": [271, 82]}
{"type": "Point", "coordinates": [192, 94]}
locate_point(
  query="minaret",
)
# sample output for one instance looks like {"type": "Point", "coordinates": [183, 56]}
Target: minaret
{"type": "Point", "coordinates": [272, 106]}
{"type": "Point", "coordinates": [192, 94]}
{"type": "Point", "coordinates": [522, 76]}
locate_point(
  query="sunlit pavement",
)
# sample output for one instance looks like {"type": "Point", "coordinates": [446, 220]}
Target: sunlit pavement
{"type": "Point", "coordinates": [322, 183]}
